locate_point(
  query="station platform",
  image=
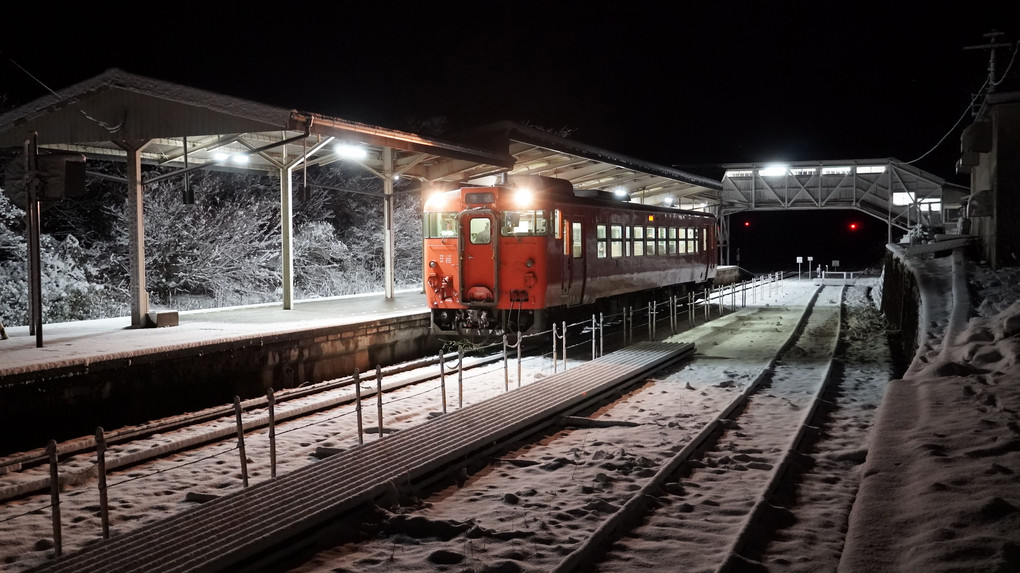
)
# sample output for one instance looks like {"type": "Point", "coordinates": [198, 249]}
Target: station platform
{"type": "Point", "coordinates": [89, 341]}
{"type": "Point", "coordinates": [104, 373]}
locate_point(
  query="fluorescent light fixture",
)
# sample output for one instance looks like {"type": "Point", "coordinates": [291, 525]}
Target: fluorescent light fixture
{"type": "Point", "coordinates": [221, 156]}
{"type": "Point", "coordinates": [901, 198]}
{"type": "Point", "coordinates": [802, 171]}
{"type": "Point", "coordinates": [668, 200]}
{"type": "Point", "coordinates": [871, 169]}
{"type": "Point", "coordinates": [738, 173]}
{"type": "Point", "coordinates": [350, 151]}
{"type": "Point", "coordinates": [839, 170]}
{"type": "Point", "coordinates": [773, 170]}
{"type": "Point", "coordinates": [620, 191]}
{"type": "Point", "coordinates": [241, 158]}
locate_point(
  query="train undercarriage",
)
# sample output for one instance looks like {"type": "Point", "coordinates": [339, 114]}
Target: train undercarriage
{"type": "Point", "coordinates": [486, 323]}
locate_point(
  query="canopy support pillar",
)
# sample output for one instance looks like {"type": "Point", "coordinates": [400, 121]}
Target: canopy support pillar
{"type": "Point", "coordinates": [136, 232]}
{"type": "Point", "coordinates": [388, 237]}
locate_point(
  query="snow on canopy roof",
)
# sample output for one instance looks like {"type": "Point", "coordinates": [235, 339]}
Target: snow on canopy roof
{"type": "Point", "coordinates": [119, 105]}
{"type": "Point", "coordinates": [539, 152]}
{"type": "Point", "coordinates": [93, 115]}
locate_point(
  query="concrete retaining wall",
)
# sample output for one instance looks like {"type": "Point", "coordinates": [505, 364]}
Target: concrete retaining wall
{"type": "Point", "coordinates": [901, 301]}
{"type": "Point", "coordinates": [71, 400]}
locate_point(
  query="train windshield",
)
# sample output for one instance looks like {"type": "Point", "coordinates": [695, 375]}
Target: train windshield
{"type": "Point", "coordinates": [440, 225]}
{"type": "Point", "coordinates": [525, 223]}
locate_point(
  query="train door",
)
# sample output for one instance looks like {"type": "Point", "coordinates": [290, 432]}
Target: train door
{"type": "Point", "coordinates": [478, 268]}
{"type": "Point", "coordinates": [573, 260]}
{"type": "Point", "coordinates": [708, 245]}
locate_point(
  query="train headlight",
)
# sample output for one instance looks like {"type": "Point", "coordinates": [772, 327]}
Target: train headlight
{"type": "Point", "coordinates": [432, 264]}
{"type": "Point", "coordinates": [523, 198]}
{"type": "Point", "coordinates": [530, 263]}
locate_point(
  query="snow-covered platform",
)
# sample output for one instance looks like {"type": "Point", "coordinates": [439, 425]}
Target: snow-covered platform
{"type": "Point", "coordinates": [104, 373]}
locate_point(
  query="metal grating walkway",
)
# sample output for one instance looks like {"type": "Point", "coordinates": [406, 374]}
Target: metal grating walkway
{"type": "Point", "coordinates": [226, 531]}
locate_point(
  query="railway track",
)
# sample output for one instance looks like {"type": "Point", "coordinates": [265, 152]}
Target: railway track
{"type": "Point", "coordinates": [769, 321]}
{"type": "Point", "coordinates": [706, 468]}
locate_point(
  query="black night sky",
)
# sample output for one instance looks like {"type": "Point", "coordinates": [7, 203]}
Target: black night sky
{"type": "Point", "coordinates": [688, 84]}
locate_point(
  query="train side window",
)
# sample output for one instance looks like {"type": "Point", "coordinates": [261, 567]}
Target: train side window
{"type": "Point", "coordinates": [650, 240]}
{"type": "Point", "coordinates": [575, 239]}
{"type": "Point", "coordinates": [681, 242]}
{"type": "Point", "coordinates": [662, 240]}
{"type": "Point", "coordinates": [704, 239]}
{"type": "Point", "coordinates": [672, 240]}
{"type": "Point", "coordinates": [556, 224]}
{"type": "Point", "coordinates": [616, 235]}
{"type": "Point", "coordinates": [600, 236]}
{"type": "Point", "coordinates": [639, 243]}
{"type": "Point", "coordinates": [566, 237]}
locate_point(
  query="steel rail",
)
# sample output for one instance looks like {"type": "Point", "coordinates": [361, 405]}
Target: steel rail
{"type": "Point", "coordinates": [229, 530]}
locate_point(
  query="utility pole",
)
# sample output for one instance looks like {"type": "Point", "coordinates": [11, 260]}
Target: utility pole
{"type": "Point", "coordinates": [993, 41]}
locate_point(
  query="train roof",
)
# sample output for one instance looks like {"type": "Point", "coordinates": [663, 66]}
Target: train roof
{"type": "Point", "coordinates": [565, 192]}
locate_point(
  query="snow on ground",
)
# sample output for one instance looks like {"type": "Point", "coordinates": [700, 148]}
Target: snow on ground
{"type": "Point", "coordinates": [534, 507]}
{"type": "Point", "coordinates": [939, 489]}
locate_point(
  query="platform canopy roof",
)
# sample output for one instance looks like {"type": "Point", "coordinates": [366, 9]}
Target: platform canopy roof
{"type": "Point", "coordinates": [98, 116]}
{"type": "Point", "coordinates": [539, 152]}
{"type": "Point", "coordinates": [178, 125]}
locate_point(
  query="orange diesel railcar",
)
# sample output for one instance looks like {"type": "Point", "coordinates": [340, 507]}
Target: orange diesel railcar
{"type": "Point", "coordinates": [517, 256]}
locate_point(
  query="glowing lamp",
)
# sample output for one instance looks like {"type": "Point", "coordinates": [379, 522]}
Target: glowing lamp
{"type": "Point", "coordinates": [350, 151]}
{"type": "Point", "coordinates": [773, 170]}
{"type": "Point", "coordinates": [523, 198]}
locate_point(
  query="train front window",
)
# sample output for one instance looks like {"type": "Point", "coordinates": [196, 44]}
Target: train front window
{"type": "Point", "coordinates": [525, 223]}
{"type": "Point", "coordinates": [440, 225]}
{"type": "Point", "coordinates": [480, 231]}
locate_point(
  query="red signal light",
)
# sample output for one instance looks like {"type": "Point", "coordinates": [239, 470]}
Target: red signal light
{"type": "Point", "coordinates": [747, 223]}
{"type": "Point", "coordinates": [853, 226]}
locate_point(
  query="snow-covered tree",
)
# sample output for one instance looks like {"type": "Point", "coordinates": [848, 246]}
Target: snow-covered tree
{"type": "Point", "coordinates": [13, 273]}
{"type": "Point", "coordinates": [225, 247]}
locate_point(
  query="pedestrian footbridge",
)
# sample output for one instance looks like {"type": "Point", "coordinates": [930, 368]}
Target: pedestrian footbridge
{"type": "Point", "coordinates": [900, 194]}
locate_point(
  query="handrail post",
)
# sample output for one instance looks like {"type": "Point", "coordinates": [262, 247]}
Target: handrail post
{"type": "Point", "coordinates": [519, 341]}
{"type": "Point", "coordinates": [564, 325]}
{"type": "Point", "coordinates": [555, 361]}
{"type": "Point", "coordinates": [357, 406]}
{"type": "Point", "coordinates": [460, 376]}
{"type": "Point", "coordinates": [506, 370]}
{"type": "Point", "coordinates": [602, 333]}
{"type": "Point", "coordinates": [240, 440]}
{"type": "Point", "coordinates": [271, 403]}
{"type": "Point", "coordinates": [378, 397]}
{"type": "Point", "coordinates": [442, 377]}
{"type": "Point", "coordinates": [51, 451]}
{"type": "Point", "coordinates": [104, 501]}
